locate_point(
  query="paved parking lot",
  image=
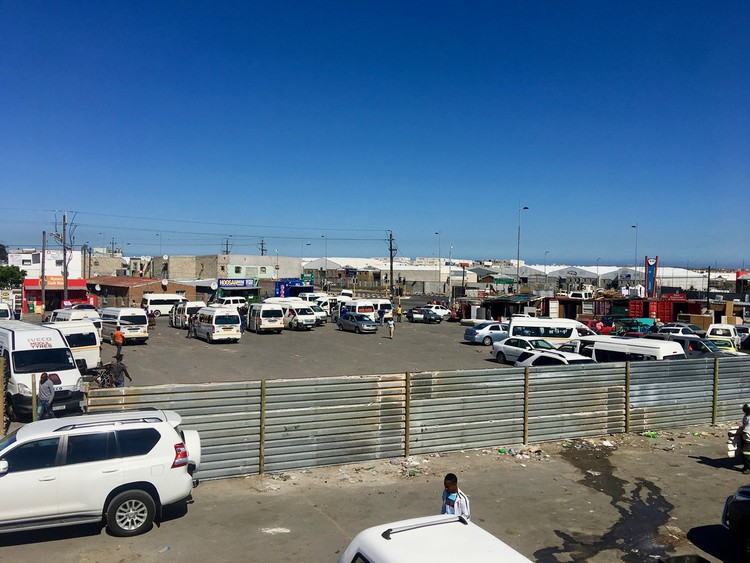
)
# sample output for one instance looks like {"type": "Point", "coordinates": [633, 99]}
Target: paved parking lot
{"type": "Point", "coordinates": [169, 357]}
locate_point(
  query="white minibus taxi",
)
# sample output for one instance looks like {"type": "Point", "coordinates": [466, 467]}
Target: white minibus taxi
{"type": "Point", "coordinates": [60, 315]}
{"type": "Point", "coordinates": [265, 317]}
{"type": "Point", "coordinates": [361, 306]}
{"type": "Point", "coordinates": [623, 349]}
{"type": "Point", "coordinates": [179, 315]}
{"type": "Point", "coordinates": [384, 304]}
{"type": "Point", "coordinates": [312, 296]}
{"type": "Point", "coordinates": [161, 303]}
{"type": "Point", "coordinates": [218, 323]}
{"type": "Point", "coordinates": [554, 330]}
{"type": "Point", "coordinates": [132, 321]}
{"type": "Point", "coordinates": [84, 341]}
{"type": "Point", "coordinates": [29, 350]}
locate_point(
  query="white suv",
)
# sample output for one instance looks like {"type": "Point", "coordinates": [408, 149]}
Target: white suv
{"type": "Point", "coordinates": [119, 467]}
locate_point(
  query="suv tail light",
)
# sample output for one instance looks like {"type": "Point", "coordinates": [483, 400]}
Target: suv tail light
{"type": "Point", "coordinates": [180, 455]}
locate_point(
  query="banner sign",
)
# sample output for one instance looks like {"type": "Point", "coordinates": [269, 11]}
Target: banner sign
{"type": "Point", "coordinates": [237, 283]}
{"type": "Point", "coordinates": [652, 265]}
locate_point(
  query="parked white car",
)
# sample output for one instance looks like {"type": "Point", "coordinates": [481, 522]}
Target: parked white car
{"type": "Point", "coordinates": [550, 358]}
{"type": "Point", "coordinates": [117, 467]}
{"type": "Point", "coordinates": [508, 350]}
{"type": "Point", "coordinates": [437, 539]}
{"type": "Point", "coordinates": [440, 310]}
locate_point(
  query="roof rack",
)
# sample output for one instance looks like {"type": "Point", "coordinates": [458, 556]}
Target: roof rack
{"type": "Point", "coordinates": [438, 521]}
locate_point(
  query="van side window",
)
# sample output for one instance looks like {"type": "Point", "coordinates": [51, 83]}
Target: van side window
{"type": "Point", "coordinates": [81, 340]}
{"type": "Point", "coordinates": [610, 356]}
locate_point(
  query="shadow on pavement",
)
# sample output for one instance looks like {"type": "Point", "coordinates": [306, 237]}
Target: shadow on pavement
{"type": "Point", "coordinates": [719, 463]}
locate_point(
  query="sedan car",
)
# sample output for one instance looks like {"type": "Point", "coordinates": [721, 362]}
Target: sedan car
{"type": "Point", "coordinates": [358, 323]}
{"type": "Point", "coordinates": [487, 333]}
{"type": "Point", "coordinates": [679, 324]}
{"type": "Point", "coordinates": [550, 358]}
{"type": "Point", "coordinates": [420, 315]}
{"type": "Point", "coordinates": [509, 350]}
{"type": "Point", "coordinates": [441, 310]}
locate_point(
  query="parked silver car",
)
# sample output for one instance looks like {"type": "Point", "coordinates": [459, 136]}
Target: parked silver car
{"type": "Point", "coordinates": [487, 333]}
{"type": "Point", "coordinates": [357, 322]}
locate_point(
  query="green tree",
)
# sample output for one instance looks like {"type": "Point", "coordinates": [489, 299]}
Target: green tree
{"type": "Point", "coordinates": [11, 276]}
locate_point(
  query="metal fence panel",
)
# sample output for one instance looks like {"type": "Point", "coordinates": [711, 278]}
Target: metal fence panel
{"type": "Point", "coordinates": [734, 388]}
{"type": "Point", "coordinates": [666, 394]}
{"type": "Point", "coordinates": [450, 410]}
{"type": "Point", "coordinates": [576, 400]}
{"type": "Point", "coordinates": [227, 415]}
{"type": "Point", "coordinates": [335, 420]}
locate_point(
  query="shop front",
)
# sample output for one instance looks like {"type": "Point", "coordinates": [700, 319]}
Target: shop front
{"type": "Point", "coordinates": [243, 287]}
{"type": "Point", "coordinates": [54, 294]}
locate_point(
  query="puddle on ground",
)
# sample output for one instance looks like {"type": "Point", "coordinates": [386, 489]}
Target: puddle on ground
{"type": "Point", "coordinates": [642, 511]}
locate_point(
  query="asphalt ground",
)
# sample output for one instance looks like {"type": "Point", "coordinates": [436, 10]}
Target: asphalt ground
{"type": "Point", "coordinates": [631, 498]}
{"type": "Point", "coordinates": [170, 357]}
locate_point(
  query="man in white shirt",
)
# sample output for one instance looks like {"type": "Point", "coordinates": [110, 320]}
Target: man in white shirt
{"type": "Point", "coordinates": [454, 500]}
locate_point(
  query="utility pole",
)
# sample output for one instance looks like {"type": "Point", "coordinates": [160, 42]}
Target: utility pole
{"type": "Point", "coordinates": [65, 255]}
{"type": "Point", "coordinates": [262, 247]}
{"type": "Point", "coordinates": [42, 279]}
{"type": "Point", "coordinates": [113, 247]}
{"type": "Point", "coordinates": [392, 253]}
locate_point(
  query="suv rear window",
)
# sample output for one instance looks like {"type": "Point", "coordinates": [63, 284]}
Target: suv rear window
{"type": "Point", "coordinates": [137, 441]}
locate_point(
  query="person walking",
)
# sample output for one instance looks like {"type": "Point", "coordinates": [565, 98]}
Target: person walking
{"type": "Point", "coordinates": [454, 499]}
{"type": "Point", "coordinates": [743, 436]}
{"type": "Point", "coordinates": [191, 326]}
{"type": "Point", "coordinates": [391, 327]}
{"type": "Point", "coordinates": [119, 372]}
{"type": "Point", "coordinates": [399, 311]}
{"type": "Point", "coordinates": [381, 316]}
{"type": "Point", "coordinates": [45, 397]}
{"type": "Point", "coordinates": [243, 319]}
{"type": "Point", "coordinates": [118, 338]}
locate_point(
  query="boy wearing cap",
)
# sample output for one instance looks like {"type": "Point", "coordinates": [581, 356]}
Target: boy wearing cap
{"type": "Point", "coordinates": [119, 372]}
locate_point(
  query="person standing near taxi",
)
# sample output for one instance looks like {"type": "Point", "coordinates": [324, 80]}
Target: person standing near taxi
{"type": "Point", "coordinates": [45, 396]}
{"type": "Point", "coordinates": [119, 372]}
{"type": "Point", "coordinates": [454, 499]}
{"type": "Point", "coordinates": [118, 338]}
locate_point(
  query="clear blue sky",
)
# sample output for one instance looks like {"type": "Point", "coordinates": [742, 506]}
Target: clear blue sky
{"type": "Point", "coordinates": [293, 120]}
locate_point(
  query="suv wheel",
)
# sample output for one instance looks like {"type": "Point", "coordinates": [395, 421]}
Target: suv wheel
{"type": "Point", "coordinates": [130, 513]}
{"type": "Point", "coordinates": [487, 341]}
{"type": "Point", "coordinates": [157, 313]}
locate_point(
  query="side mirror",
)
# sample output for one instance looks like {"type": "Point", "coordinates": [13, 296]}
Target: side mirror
{"type": "Point", "coordinates": [3, 467]}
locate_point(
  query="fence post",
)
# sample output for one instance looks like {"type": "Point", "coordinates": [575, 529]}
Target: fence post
{"type": "Point", "coordinates": [407, 417]}
{"type": "Point", "coordinates": [714, 410]}
{"type": "Point", "coordinates": [262, 441]}
{"type": "Point", "coordinates": [627, 397]}
{"type": "Point", "coordinates": [526, 405]}
{"type": "Point", "coordinates": [33, 398]}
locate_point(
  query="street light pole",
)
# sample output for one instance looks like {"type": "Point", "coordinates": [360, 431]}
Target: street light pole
{"type": "Point", "coordinates": [635, 256]}
{"type": "Point", "coordinates": [518, 249]}
{"type": "Point", "coordinates": [440, 273]}
{"type": "Point", "coordinates": [325, 271]}
{"type": "Point", "coordinates": [598, 283]}
{"type": "Point", "coordinates": [545, 268]}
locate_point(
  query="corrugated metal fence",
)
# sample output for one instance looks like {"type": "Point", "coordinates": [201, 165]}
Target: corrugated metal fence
{"type": "Point", "coordinates": [276, 425]}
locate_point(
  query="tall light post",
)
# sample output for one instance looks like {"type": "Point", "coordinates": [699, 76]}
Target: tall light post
{"type": "Point", "coordinates": [325, 270]}
{"type": "Point", "coordinates": [545, 268]}
{"type": "Point", "coordinates": [302, 246]}
{"type": "Point", "coordinates": [440, 270]}
{"type": "Point", "coordinates": [450, 271]}
{"type": "Point", "coordinates": [635, 256]}
{"type": "Point", "coordinates": [518, 249]}
{"type": "Point", "coordinates": [598, 283]}
{"type": "Point", "coordinates": [159, 235]}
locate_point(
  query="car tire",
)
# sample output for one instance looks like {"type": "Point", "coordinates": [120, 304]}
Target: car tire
{"type": "Point", "coordinates": [157, 313]}
{"type": "Point", "coordinates": [356, 330]}
{"type": "Point", "coordinates": [500, 358]}
{"type": "Point", "coordinates": [295, 324]}
{"type": "Point", "coordinates": [130, 513]}
{"type": "Point", "coordinates": [341, 327]}
{"type": "Point", "coordinates": [487, 341]}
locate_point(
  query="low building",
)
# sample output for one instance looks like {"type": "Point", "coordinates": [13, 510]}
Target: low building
{"type": "Point", "coordinates": [125, 291]}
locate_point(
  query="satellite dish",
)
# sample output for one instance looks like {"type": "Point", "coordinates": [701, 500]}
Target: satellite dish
{"type": "Point", "coordinates": [214, 286]}
{"type": "Point", "coordinates": [164, 283]}
{"type": "Point", "coordinates": [165, 257]}
{"type": "Point", "coordinates": [97, 287]}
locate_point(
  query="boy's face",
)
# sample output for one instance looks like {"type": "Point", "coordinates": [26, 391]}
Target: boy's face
{"type": "Point", "coordinates": [450, 486]}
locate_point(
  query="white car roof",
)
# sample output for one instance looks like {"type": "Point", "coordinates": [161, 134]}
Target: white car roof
{"type": "Point", "coordinates": [433, 539]}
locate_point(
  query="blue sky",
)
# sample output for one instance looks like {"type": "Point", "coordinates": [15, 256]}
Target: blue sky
{"type": "Point", "coordinates": [172, 126]}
